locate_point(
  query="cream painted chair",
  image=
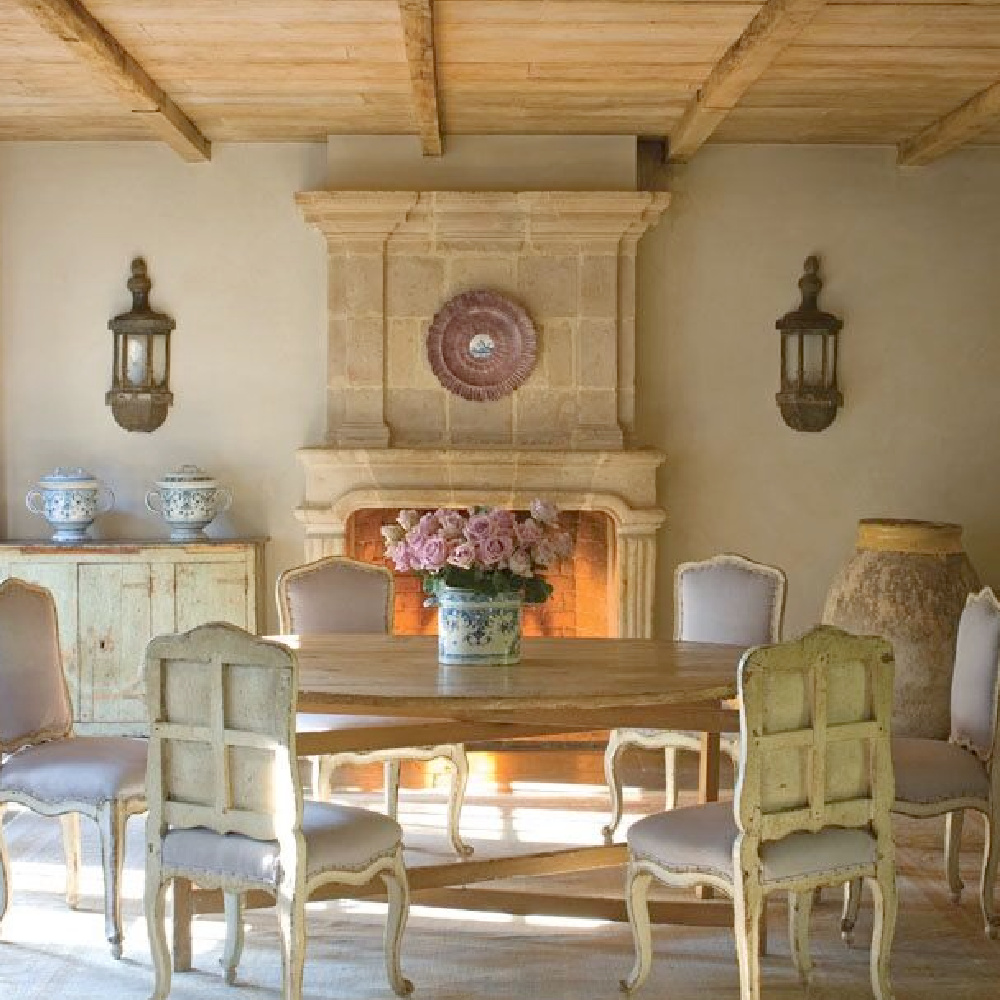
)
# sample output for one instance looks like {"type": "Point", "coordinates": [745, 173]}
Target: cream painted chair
{"type": "Point", "coordinates": [946, 777]}
{"type": "Point", "coordinates": [336, 594]}
{"type": "Point", "coordinates": [226, 805]}
{"type": "Point", "coordinates": [723, 599]}
{"type": "Point", "coordinates": [814, 790]}
{"type": "Point", "coordinates": [48, 769]}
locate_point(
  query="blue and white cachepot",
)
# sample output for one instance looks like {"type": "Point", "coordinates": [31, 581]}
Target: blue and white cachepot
{"type": "Point", "coordinates": [188, 499]}
{"type": "Point", "coordinates": [478, 628]}
{"type": "Point", "coordinates": [69, 499]}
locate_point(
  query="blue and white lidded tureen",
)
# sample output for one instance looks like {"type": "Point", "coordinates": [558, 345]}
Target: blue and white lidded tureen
{"type": "Point", "coordinates": [69, 499]}
{"type": "Point", "coordinates": [188, 499]}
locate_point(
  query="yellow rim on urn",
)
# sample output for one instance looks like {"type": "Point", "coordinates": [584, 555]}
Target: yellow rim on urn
{"type": "Point", "coordinates": [902, 535]}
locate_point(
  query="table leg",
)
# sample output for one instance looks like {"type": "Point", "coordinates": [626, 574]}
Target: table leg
{"type": "Point", "coordinates": [183, 910]}
{"type": "Point", "coordinates": [708, 783]}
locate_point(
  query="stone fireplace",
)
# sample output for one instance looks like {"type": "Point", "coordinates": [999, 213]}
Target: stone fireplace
{"type": "Point", "coordinates": [397, 438]}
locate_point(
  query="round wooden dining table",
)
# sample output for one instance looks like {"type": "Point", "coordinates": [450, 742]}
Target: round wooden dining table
{"type": "Point", "coordinates": [560, 686]}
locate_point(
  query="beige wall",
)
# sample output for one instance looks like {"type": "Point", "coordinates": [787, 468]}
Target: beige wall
{"type": "Point", "coordinates": [231, 260]}
{"type": "Point", "coordinates": [910, 258]}
{"type": "Point", "coordinates": [911, 261]}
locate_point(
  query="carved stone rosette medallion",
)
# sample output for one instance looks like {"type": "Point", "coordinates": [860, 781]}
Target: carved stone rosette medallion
{"type": "Point", "coordinates": [481, 345]}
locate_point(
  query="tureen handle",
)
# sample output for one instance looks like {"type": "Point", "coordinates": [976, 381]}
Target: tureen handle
{"type": "Point", "coordinates": [105, 500]}
{"type": "Point", "coordinates": [29, 501]}
{"type": "Point", "coordinates": [226, 500]}
{"type": "Point", "coordinates": [149, 502]}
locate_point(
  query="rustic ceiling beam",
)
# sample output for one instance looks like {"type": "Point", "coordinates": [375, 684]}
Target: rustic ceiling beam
{"type": "Point", "coordinates": [773, 27]}
{"type": "Point", "coordinates": [417, 17]}
{"type": "Point", "coordinates": [951, 130]}
{"type": "Point", "coordinates": [70, 21]}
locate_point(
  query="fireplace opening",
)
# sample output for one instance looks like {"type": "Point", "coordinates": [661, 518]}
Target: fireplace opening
{"type": "Point", "coordinates": [581, 605]}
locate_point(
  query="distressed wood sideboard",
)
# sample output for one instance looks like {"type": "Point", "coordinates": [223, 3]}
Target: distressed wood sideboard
{"type": "Point", "coordinates": [113, 596]}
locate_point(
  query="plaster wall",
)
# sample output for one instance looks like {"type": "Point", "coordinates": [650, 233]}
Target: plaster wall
{"type": "Point", "coordinates": [909, 259]}
{"type": "Point", "coordinates": [230, 260]}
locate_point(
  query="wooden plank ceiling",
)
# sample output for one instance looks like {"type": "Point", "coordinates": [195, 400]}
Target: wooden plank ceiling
{"type": "Point", "coordinates": [922, 75]}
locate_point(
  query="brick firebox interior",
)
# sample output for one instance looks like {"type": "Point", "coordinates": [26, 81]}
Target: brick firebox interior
{"type": "Point", "coordinates": [578, 607]}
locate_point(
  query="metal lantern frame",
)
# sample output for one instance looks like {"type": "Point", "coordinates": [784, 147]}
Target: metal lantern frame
{"type": "Point", "coordinates": [141, 340]}
{"type": "Point", "coordinates": [809, 396]}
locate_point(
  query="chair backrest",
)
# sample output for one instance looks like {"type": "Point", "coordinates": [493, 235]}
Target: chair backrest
{"type": "Point", "coordinates": [814, 735]}
{"type": "Point", "coordinates": [222, 734]}
{"type": "Point", "coordinates": [34, 699]}
{"type": "Point", "coordinates": [975, 684]}
{"type": "Point", "coordinates": [335, 594]}
{"type": "Point", "coordinates": [728, 598]}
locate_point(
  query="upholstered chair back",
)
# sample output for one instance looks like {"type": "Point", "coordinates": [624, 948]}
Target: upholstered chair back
{"type": "Point", "coordinates": [34, 700]}
{"type": "Point", "coordinates": [728, 599]}
{"type": "Point", "coordinates": [975, 684]}
{"type": "Point", "coordinates": [222, 734]}
{"type": "Point", "coordinates": [335, 594]}
{"type": "Point", "coordinates": [815, 748]}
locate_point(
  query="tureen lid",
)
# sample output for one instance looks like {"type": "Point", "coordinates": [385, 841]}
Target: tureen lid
{"type": "Point", "coordinates": [188, 475]}
{"type": "Point", "coordinates": [64, 476]}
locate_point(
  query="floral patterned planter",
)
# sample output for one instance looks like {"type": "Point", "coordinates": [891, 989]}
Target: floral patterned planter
{"type": "Point", "coordinates": [478, 628]}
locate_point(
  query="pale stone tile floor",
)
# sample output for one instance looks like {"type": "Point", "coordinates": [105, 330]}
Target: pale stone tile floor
{"type": "Point", "coordinates": [47, 950]}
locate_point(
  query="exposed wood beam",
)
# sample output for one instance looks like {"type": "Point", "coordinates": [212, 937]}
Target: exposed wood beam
{"type": "Point", "coordinates": [417, 17]}
{"type": "Point", "coordinates": [774, 26]}
{"type": "Point", "coordinates": [952, 130]}
{"type": "Point", "coordinates": [70, 21]}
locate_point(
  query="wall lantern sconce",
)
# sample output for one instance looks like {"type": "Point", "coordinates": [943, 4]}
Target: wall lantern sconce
{"type": "Point", "coordinates": [809, 395]}
{"type": "Point", "coordinates": [139, 394]}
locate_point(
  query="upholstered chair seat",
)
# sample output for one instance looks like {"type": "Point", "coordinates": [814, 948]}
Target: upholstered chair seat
{"type": "Point", "coordinates": [336, 837]}
{"type": "Point", "coordinates": [930, 771]}
{"type": "Point", "coordinates": [90, 769]}
{"type": "Point", "coordinates": [962, 773]}
{"type": "Point", "coordinates": [725, 599]}
{"type": "Point", "coordinates": [701, 839]}
{"type": "Point", "coordinates": [225, 801]}
{"type": "Point", "coordinates": [812, 804]}
{"type": "Point", "coordinates": [48, 769]}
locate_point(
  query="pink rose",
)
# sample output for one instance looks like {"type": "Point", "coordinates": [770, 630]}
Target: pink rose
{"type": "Point", "coordinates": [544, 511]}
{"type": "Point", "coordinates": [529, 532]}
{"type": "Point", "coordinates": [545, 553]}
{"type": "Point", "coordinates": [399, 553]}
{"type": "Point", "coordinates": [408, 518]}
{"type": "Point", "coordinates": [503, 521]}
{"type": "Point", "coordinates": [462, 555]}
{"type": "Point", "coordinates": [392, 533]}
{"type": "Point", "coordinates": [495, 550]}
{"type": "Point", "coordinates": [433, 553]}
{"type": "Point", "coordinates": [563, 544]}
{"type": "Point", "coordinates": [478, 527]}
{"type": "Point", "coordinates": [520, 563]}
{"type": "Point", "coordinates": [427, 525]}
{"type": "Point", "coordinates": [452, 523]}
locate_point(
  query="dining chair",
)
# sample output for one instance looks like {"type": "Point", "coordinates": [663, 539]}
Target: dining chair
{"type": "Point", "coordinates": [225, 803]}
{"type": "Point", "coordinates": [946, 777]}
{"type": "Point", "coordinates": [814, 789]}
{"type": "Point", "coordinates": [726, 599]}
{"type": "Point", "coordinates": [337, 594]}
{"type": "Point", "coordinates": [45, 766]}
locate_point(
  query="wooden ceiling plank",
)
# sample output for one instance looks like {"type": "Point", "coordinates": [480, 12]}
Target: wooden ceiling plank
{"type": "Point", "coordinates": [417, 17]}
{"type": "Point", "coordinates": [954, 129]}
{"type": "Point", "coordinates": [773, 27]}
{"type": "Point", "coordinates": [70, 21]}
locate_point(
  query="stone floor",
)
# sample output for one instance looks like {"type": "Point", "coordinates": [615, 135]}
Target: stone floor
{"type": "Point", "coordinates": [517, 801]}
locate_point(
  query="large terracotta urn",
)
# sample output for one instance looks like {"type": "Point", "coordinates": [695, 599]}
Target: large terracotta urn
{"type": "Point", "coordinates": [908, 581]}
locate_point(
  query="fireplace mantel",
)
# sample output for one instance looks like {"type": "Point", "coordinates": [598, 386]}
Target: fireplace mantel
{"type": "Point", "coordinates": [621, 484]}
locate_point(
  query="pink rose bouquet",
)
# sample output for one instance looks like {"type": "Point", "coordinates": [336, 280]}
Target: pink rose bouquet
{"type": "Point", "coordinates": [488, 549]}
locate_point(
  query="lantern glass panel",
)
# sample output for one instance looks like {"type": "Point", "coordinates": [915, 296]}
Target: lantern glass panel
{"type": "Point", "coordinates": [159, 361]}
{"type": "Point", "coordinates": [814, 360]}
{"type": "Point", "coordinates": [136, 357]}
